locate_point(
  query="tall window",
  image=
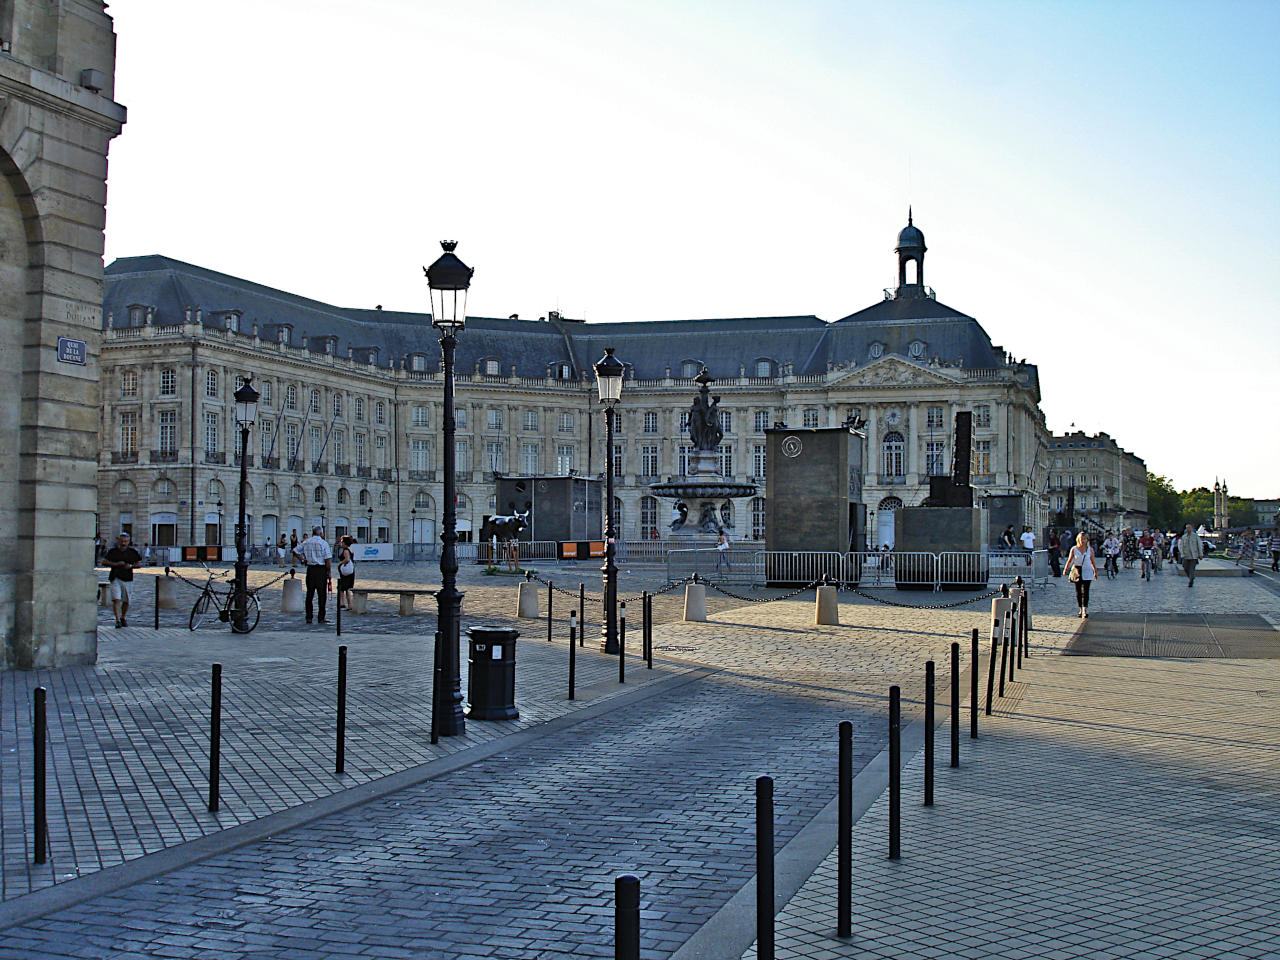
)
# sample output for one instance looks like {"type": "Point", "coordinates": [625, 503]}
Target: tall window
{"type": "Point", "coordinates": [168, 442]}
{"type": "Point", "coordinates": [129, 434]}
{"type": "Point", "coordinates": [291, 397]}
{"type": "Point", "coordinates": [811, 418]}
{"type": "Point", "coordinates": [763, 368]}
{"type": "Point", "coordinates": [565, 424]}
{"type": "Point", "coordinates": [379, 451]}
{"type": "Point", "coordinates": [168, 383]}
{"type": "Point", "coordinates": [684, 421]}
{"type": "Point", "coordinates": [291, 440]}
{"type": "Point", "coordinates": [460, 418]}
{"type": "Point", "coordinates": [419, 455]}
{"type": "Point", "coordinates": [531, 420]}
{"type": "Point", "coordinates": [317, 442]}
{"type": "Point", "coordinates": [757, 518]}
{"type": "Point", "coordinates": [726, 421]}
{"type": "Point", "coordinates": [264, 393]}
{"type": "Point", "coordinates": [357, 405]}
{"type": "Point", "coordinates": [648, 518]}
{"type": "Point", "coordinates": [649, 460]}
{"type": "Point", "coordinates": [565, 459]}
{"type": "Point", "coordinates": [363, 498]}
{"type": "Point", "coordinates": [295, 494]}
{"type": "Point", "coordinates": [461, 456]}
{"type": "Point", "coordinates": [935, 458]}
{"type": "Point", "coordinates": [210, 433]}
{"type": "Point", "coordinates": [211, 384]}
{"type": "Point", "coordinates": [271, 493]}
{"type": "Point", "coordinates": [336, 448]}
{"type": "Point", "coordinates": [934, 420]}
{"type": "Point", "coordinates": [726, 459]}
{"type": "Point", "coordinates": [265, 436]}
{"type": "Point", "coordinates": [617, 459]}
{"type": "Point", "coordinates": [315, 402]}
{"type": "Point", "coordinates": [530, 461]}
{"type": "Point", "coordinates": [496, 456]}
{"type": "Point", "coordinates": [337, 404]}
{"type": "Point", "coordinates": [617, 421]}
{"type": "Point", "coordinates": [128, 384]}
{"type": "Point", "coordinates": [421, 416]}
{"type": "Point", "coordinates": [891, 454]}
{"type": "Point", "coordinates": [982, 456]}
{"type": "Point", "coordinates": [982, 415]}
{"type": "Point", "coordinates": [493, 418]}
{"type": "Point", "coordinates": [362, 456]}
{"type": "Point", "coordinates": [685, 451]}
{"type": "Point", "coordinates": [761, 421]}
{"type": "Point", "coordinates": [758, 460]}
{"type": "Point", "coordinates": [380, 413]}
{"type": "Point", "coordinates": [651, 421]}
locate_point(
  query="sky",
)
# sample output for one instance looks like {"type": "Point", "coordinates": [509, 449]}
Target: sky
{"type": "Point", "coordinates": [1098, 182]}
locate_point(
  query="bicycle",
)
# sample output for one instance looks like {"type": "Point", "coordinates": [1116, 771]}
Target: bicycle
{"type": "Point", "coordinates": [1147, 564]}
{"type": "Point", "coordinates": [215, 605]}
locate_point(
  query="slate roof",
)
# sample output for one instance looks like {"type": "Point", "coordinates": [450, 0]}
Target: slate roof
{"type": "Point", "coordinates": [807, 343]}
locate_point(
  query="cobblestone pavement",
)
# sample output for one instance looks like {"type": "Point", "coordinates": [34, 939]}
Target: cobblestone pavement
{"type": "Point", "coordinates": [1112, 809]}
{"type": "Point", "coordinates": [533, 836]}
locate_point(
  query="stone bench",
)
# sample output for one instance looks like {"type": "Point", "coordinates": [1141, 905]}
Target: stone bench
{"type": "Point", "coordinates": [360, 598]}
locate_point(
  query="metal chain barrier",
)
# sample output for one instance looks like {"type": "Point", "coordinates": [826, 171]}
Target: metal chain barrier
{"type": "Point", "coordinates": [785, 596]}
{"type": "Point", "coordinates": [194, 585]}
{"type": "Point", "coordinates": [923, 606]}
{"type": "Point", "coordinates": [530, 575]}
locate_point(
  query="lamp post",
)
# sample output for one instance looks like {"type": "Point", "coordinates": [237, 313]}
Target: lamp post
{"type": "Point", "coordinates": [449, 279]}
{"type": "Point", "coordinates": [369, 528]}
{"type": "Point", "coordinates": [609, 372]}
{"type": "Point", "coordinates": [246, 413]}
{"type": "Point", "coordinates": [219, 529]}
{"type": "Point", "coordinates": [324, 530]}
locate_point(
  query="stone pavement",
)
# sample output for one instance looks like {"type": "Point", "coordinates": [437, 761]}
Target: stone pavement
{"type": "Point", "coordinates": [507, 846]}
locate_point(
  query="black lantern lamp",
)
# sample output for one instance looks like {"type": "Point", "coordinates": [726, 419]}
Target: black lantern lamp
{"type": "Point", "coordinates": [609, 371]}
{"type": "Point", "coordinates": [246, 399]}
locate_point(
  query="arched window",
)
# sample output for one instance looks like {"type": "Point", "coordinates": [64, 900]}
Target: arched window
{"type": "Point", "coordinates": [422, 500]}
{"type": "Point", "coordinates": [271, 493]}
{"type": "Point", "coordinates": [380, 413]}
{"type": "Point", "coordinates": [364, 498]}
{"type": "Point", "coordinates": [295, 494]}
{"type": "Point", "coordinates": [315, 401]}
{"type": "Point", "coordinates": [463, 502]}
{"type": "Point", "coordinates": [125, 489]}
{"type": "Point", "coordinates": [384, 499]}
{"type": "Point", "coordinates": [764, 367]}
{"type": "Point", "coordinates": [648, 518]}
{"type": "Point", "coordinates": [343, 496]}
{"type": "Point", "coordinates": [757, 518]}
{"type": "Point", "coordinates": [891, 454]}
{"type": "Point", "coordinates": [291, 397]}
{"type": "Point", "coordinates": [215, 490]}
{"type": "Point", "coordinates": [318, 496]}
{"type": "Point", "coordinates": [689, 368]}
{"type": "Point", "coordinates": [163, 488]}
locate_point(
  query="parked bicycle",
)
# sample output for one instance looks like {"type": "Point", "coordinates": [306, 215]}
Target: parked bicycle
{"type": "Point", "coordinates": [215, 604]}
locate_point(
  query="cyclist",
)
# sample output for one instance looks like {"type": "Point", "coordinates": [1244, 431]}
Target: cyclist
{"type": "Point", "coordinates": [1111, 550]}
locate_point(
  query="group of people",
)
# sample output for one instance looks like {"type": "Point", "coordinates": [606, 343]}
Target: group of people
{"type": "Point", "coordinates": [1152, 546]}
{"type": "Point", "coordinates": [317, 556]}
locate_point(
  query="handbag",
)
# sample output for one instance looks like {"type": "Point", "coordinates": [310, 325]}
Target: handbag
{"type": "Point", "coordinates": [347, 568]}
{"type": "Point", "coordinates": [1074, 575]}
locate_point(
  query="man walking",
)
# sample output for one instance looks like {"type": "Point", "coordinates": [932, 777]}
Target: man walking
{"type": "Point", "coordinates": [1190, 550]}
{"type": "Point", "coordinates": [315, 553]}
{"type": "Point", "coordinates": [123, 560]}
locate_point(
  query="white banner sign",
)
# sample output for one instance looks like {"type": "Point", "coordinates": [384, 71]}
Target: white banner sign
{"type": "Point", "coordinates": [374, 551]}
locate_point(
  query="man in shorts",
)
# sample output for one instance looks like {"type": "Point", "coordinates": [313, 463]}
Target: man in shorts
{"type": "Point", "coordinates": [123, 560]}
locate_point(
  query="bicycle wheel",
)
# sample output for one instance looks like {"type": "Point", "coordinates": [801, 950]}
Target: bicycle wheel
{"type": "Point", "coordinates": [252, 611]}
{"type": "Point", "coordinates": [203, 611]}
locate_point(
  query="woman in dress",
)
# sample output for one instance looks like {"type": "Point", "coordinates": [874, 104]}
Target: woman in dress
{"type": "Point", "coordinates": [346, 570]}
{"type": "Point", "coordinates": [1081, 558]}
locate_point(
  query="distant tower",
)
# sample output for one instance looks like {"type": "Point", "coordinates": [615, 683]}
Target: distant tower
{"type": "Point", "coordinates": [1220, 514]}
{"type": "Point", "coordinates": [910, 247]}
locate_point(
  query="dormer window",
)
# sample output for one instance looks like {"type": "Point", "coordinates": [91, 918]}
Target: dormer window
{"type": "Point", "coordinates": [417, 362]}
{"type": "Point", "coordinates": [875, 351]}
{"type": "Point", "coordinates": [763, 367]}
{"type": "Point", "coordinates": [916, 349]}
{"type": "Point", "coordinates": [285, 333]}
{"type": "Point", "coordinates": [492, 368]}
{"type": "Point", "coordinates": [565, 371]}
{"type": "Point", "coordinates": [137, 313]}
{"type": "Point", "coordinates": [689, 368]}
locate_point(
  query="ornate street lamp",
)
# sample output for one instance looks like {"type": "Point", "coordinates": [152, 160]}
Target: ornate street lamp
{"type": "Point", "coordinates": [369, 529]}
{"type": "Point", "coordinates": [246, 413]}
{"type": "Point", "coordinates": [449, 279]}
{"type": "Point", "coordinates": [609, 371]}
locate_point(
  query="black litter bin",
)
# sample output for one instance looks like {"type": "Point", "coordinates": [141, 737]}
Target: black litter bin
{"type": "Point", "coordinates": [491, 680]}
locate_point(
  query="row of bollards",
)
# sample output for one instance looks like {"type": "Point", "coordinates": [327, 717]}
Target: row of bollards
{"type": "Point", "coordinates": [1010, 626]}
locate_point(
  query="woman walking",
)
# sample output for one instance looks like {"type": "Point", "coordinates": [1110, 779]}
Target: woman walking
{"type": "Point", "coordinates": [346, 570]}
{"type": "Point", "coordinates": [1081, 570]}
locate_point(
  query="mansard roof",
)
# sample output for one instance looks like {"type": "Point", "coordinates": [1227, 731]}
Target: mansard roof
{"type": "Point", "coordinates": [805, 344]}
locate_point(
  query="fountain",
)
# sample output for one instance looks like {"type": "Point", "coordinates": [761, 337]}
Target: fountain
{"type": "Point", "coordinates": [703, 486]}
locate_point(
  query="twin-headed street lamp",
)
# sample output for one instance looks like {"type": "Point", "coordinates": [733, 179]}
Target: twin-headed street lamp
{"type": "Point", "coordinates": [246, 413]}
{"type": "Point", "coordinates": [449, 279]}
{"type": "Point", "coordinates": [609, 371]}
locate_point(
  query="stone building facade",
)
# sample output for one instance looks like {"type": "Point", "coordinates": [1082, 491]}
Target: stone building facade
{"type": "Point", "coordinates": [57, 118]}
{"type": "Point", "coordinates": [351, 402]}
{"type": "Point", "coordinates": [1110, 482]}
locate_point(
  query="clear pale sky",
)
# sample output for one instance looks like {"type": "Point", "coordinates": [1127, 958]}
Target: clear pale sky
{"type": "Point", "coordinates": [1098, 183]}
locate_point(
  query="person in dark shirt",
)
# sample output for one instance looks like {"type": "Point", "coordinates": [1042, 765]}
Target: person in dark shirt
{"type": "Point", "coordinates": [123, 560]}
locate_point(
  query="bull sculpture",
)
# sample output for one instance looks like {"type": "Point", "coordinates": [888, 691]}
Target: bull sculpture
{"type": "Point", "coordinates": [505, 529]}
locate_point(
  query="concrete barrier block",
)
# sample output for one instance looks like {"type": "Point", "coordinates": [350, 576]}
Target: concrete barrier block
{"type": "Point", "coordinates": [359, 602]}
{"type": "Point", "coordinates": [527, 601]}
{"type": "Point", "coordinates": [827, 608]}
{"type": "Point", "coordinates": [291, 596]}
{"type": "Point", "coordinates": [168, 593]}
{"type": "Point", "coordinates": [695, 602]}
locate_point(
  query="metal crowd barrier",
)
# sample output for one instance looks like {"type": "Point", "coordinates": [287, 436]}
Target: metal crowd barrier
{"type": "Point", "coordinates": [786, 567]}
{"type": "Point", "coordinates": [735, 565]}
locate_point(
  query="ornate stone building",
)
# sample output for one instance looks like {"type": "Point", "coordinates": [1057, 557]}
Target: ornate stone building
{"type": "Point", "coordinates": [350, 415]}
{"type": "Point", "coordinates": [1110, 482]}
{"type": "Point", "coordinates": [57, 64]}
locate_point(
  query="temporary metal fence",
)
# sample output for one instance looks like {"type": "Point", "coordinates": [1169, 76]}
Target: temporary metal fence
{"type": "Point", "coordinates": [734, 565]}
{"type": "Point", "coordinates": [787, 567]}
{"type": "Point", "coordinates": [643, 551]}
{"type": "Point", "coordinates": [1030, 565]}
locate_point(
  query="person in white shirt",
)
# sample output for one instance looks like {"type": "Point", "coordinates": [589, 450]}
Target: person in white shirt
{"type": "Point", "coordinates": [315, 553]}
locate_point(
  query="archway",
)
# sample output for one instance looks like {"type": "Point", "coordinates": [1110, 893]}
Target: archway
{"type": "Point", "coordinates": [884, 521]}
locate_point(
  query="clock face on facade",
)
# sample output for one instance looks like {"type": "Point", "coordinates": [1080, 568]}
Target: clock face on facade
{"type": "Point", "coordinates": [893, 417]}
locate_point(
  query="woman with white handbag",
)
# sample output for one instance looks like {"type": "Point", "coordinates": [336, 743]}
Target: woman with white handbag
{"type": "Point", "coordinates": [1081, 570]}
{"type": "Point", "coordinates": [346, 571]}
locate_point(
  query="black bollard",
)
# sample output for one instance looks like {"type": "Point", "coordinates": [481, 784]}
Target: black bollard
{"type": "Point", "coordinates": [764, 868]}
{"type": "Point", "coordinates": [340, 748]}
{"type": "Point", "coordinates": [435, 693]}
{"type": "Point", "coordinates": [582, 612]}
{"type": "Point", "coordinates": [844, 878]}
{"type": "Point", "coordinates": [895, 773]}
{"type": "Point", "coordinates": [973, 685]}
{"type": "Point", "coordinates": [622, 642]}
{"type": "Point", "coordinates": [991, 663]}
{"type": "Point", "coordinates": [1004, 649]}
{"type": "Point", "coordinates": [550, 597]}
{"type": "Point", "coordinates": [337, 619]}
{"type": "Point", "coordinates": [156, 611]}
{"type": "Point", "coordinates": [39, 728]}
{"type": "Point", "coordinates": [929, 723]}
{"type": "Point", "coordinates": [573, 650]}
{"type": "Point", "coordinates": [644, 627]}
{"type": "Point", "coordinates": [215, 736]}
{"type": "Point", "coordinates": [1011, 638]}
{"type": "Point", "coordinates": [626, 918]}
{"type": "Point", "coordinates": [1018, 620]}
{"type": "Point", "coordinates": [955, 704]}
{"type": "Point", "coordinates": [1026, 622]}
{"type": "Point", "coordinates": [649, 652]}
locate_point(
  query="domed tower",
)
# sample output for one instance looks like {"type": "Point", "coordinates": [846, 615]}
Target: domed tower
{"type": "Point", "coordinates": [910, 247]}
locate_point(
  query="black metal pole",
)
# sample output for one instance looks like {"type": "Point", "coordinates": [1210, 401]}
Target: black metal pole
{"type": "Point", "coordinates": [550, 598]}
{"type": "Point", "coordinates": [955, 704]}
{"type": "Point", "coordinates": [1004, 650]}
{"type": "Point", "coordinates": [610, 569]}
{"type": "Point", "coordinates": [991, 665]}
{"type": "Point", "coordinates": [582, 613]}
{"type": "Point", "coordinates": [1026, 622]}
{"type": "Point", "coordinates": [447, 692]}
{"type": "Point", "coordinates": [844, 878]}
{"type": "Point", "coordinates": [215, 736]}
{"type": "Point", "coordinates": [340, 763]}
{"type": "Point", "coordinates": [648, 636]}
{"type": "Point", "coordinates": [240, 604]}
{"type": "Point", "coordinates": [573, 650]}
{"type": "Point", "coordinates": [929, 723]}
{"type": "Point", "coordinates": [622, 644]}
{"type": "Point", "coordinates": [435, 689]}
{"type": "Point", "coordinates": [626, 918]}
{"type": "Point", "coordinates": [973, 685]}
{"type": "Point", "coordinates": [895, 773]}
{"type": "Point", "coordinates": [337, 620]}
{"type": "Point", "coordinates": [1017, 625]}
{"type": "Point", "coordinates": [764, 868]}
{"type": "Point", "coordinates": [157, 603]}
{"type": "Point", "coordinates": [39, 734]}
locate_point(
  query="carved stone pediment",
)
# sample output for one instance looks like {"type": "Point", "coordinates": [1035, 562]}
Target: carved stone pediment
{"type": "Point", "coordinates": [894, 372]}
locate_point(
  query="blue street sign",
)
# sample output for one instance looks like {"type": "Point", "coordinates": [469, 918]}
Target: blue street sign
{"type": "Point", "coordinates": [72, 351]}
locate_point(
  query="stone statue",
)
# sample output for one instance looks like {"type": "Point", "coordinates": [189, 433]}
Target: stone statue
{"type": "Point", "coordinates": [679, 514]}
{"type": "Point", "coordinates": [709, 520]}
{"type": "Point", "coordinates": [704, 415]}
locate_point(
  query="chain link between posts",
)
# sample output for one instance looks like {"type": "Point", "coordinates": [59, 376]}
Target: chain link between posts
{"type": "Point", "coordinates": [785, 596]}
{"type": "Point", "coordinates": [196, 585]}
{"type": "Point", "coordinates": [530, 575]}
{"type": "Point", "coordinates": [924, 606]}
